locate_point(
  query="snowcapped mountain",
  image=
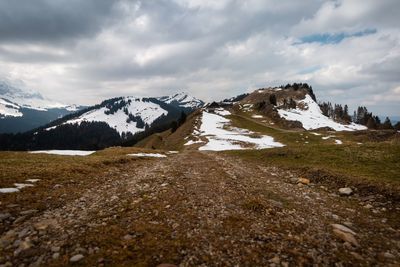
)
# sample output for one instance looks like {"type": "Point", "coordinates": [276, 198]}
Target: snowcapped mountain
{"type": "Point", "coordinates": [22, 109]}
{"type": "Point", "coordinates": [132, 114]}
{"type": "Point", "coordinates": [182, 100]}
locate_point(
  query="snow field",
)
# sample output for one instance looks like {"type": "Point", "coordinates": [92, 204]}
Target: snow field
{"type": "Point", "coordinates": [312, 117]}
{"type": "Point", "coordinates": [221, 136]}
{"type": "Point", "coordinates": [64, 152]}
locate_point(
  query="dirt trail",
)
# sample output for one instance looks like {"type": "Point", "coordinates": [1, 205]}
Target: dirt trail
{"type": "Point", "coordinates": [203, 209]}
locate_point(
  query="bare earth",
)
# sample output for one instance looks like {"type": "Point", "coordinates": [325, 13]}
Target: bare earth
{"type": "Point", "coordinates": [203, 209]}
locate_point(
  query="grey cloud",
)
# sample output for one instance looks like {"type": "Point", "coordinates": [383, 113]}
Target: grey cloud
{"type": "Point", "coordinates": [104, 48]}
{"type": "Point", "coordinates": [50, 20]}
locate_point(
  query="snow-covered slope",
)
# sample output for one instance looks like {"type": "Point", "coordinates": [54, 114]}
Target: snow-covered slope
{"type": "Point", "coordinates": [222, 136]}
{"type": "Point", "coordinates": [132, 115]}
{"type": "Point", "coordinates": [27, 98]}
{"type": "Point", "coordinates": [23, 109]}
{"type": "Point", "coordinates": [147, 111]}
{"type": "Point", "coordinates": [182, 100]}
{"type": "Point", "coordinates": [310, 115]}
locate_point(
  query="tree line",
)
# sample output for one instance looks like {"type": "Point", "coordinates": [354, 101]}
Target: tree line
{"type": "Point", "coordinates": [360, 116]}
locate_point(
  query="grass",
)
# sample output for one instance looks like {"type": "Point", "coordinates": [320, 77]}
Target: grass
{"type": "Point", "coordinates": [376, 159]}
{"type": "Point", "coordinates": [61, 177]}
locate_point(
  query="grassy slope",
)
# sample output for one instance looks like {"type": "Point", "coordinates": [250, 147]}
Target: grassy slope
{"type": "Point", "coordinates": [74, 173]}
{"type": "Point", "coordinates": [372, 160]}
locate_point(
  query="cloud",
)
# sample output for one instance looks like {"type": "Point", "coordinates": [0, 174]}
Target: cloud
{"type": "Point", "coordinates": [52, 20]}
{"type": "Point", "coordinates": [75, 51]}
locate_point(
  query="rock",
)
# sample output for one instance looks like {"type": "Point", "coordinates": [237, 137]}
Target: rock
{"type": "Point", "coordinates": [345, 191]}
{"type": "Point", "coordinates": [127, 237]}
{"type": "Point", "coordinates": [275, 260]}
{"type": "Point", "coordinates": [368, 206]}
{"type": "Point", "coordinates": [389, 255]}
{"type": "Point", "coordinates": [4, 216]}
{"type": "Point", "coordinates": [343, 228]}
{"type": "Point", "coordinates": [347, 237]}
{"type": "Point", "coordinates": [293, 180]}
{"type": "Point", "coordinates": [76, 258]}
{"type": "Point", "coordinates": [28, 212]}
{"type": "Point", "coordinates": [19, 219]}
{"type": "Point", "coordinates": [55, 249]}
{"type": "Point", "coordinates": [303, 181]}
{"type": "Point", "coordinates": [43, 225]}
{"type": "Point", "coordinates": [357, 256]}
{"type": "Point", "coordinates": [56, 255]}
{"type": "Point", "coordinates": [24, 232]}
{"type": "Point", "coordinates": [166, 265]}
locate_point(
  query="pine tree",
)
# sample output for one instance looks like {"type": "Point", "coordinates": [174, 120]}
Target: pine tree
{"type": "Point", "coordinates": [272, 99]}
{"type": "Point", "coordinates": [371, 124]}
{"type": "Point", "coordinates": [387, 125]}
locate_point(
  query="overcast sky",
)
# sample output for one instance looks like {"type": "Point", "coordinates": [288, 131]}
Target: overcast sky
{"type": "Point", "coordinates": [83, 51]}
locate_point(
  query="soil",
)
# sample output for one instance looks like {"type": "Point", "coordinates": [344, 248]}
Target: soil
{"type": "Point", "coordinates": [201, 209]}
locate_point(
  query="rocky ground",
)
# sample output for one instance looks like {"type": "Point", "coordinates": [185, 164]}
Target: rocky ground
{"type": "Point", "coordinates": [203, 209]}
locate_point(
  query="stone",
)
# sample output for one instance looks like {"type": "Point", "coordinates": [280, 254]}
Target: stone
{"type": "Point", "coordinates": [275, 260]}
{"type": "Point", "coordinates": [4, 216]}
{"type": "Point", "coordinates": [368, 206]}
{"type": "Point", "coordinates": [293, 180]}
{"type": "Point", "coordinates": [357, 256]}
{"type": "Point", "coordinates": [127, 237]}
{"type": "Point", "coordinates": [55, 249]}
{"type": "Point", "coordinates": [166, 265]}
{"type": "Point", "coordinates": [56, 255]}
{"type": "Point", "coordinates": [76, 258]}
{"type": "Point", "coordinates": [343, 228]}
{"type": "Point", "coordinates": [28, 212]}
{"type": "Point", "coordinates": [346, 237]}
{"type": "Point", "coordinates": [389, 255]}
{"type": "Point", "coordinates": [304, 181]}
{"type": "Point", "coordinates": [43, 225]}
{"type": "Point", "coordinates": [24, 232]}
{"type": "Point", "coordinates": [345, 191]}
{"type": "Point", "coordinates": [19, 219]}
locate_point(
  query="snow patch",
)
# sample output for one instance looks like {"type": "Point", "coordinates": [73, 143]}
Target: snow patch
{"type": "Point", "coordinates": [64, 152]}
{"type": "Point", "coordinates": [150, 155]}
{"type": "Point", "coordinates": [338, 142]}
{"type": "Point", "coordinates": [222, 112]}
{"type": "Point", "coordinates": [20, 186]}
{"type": "Point", "coordinates": [257, 116]}
{"type": "Point", "coordinates": [312, 117]}
{"type": "Point", "coordinates": [191, 142]}
{"type": "Point", "coordinates": [8, 109]}
{"type": "Point", "coordinates": [32, 180]}
{"type": "Point", "coordinates": [9, 190]}
{"type": "Point", "coordinates": [223, 137]}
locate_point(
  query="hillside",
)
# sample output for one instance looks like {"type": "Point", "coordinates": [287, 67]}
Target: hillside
{"type": "Point", "coordinates": [116, 121]}
{"type": "Point", "coordinates": [228, 184]}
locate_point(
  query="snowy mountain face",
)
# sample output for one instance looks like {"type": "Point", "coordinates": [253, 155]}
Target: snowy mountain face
{"type": "Point", "coordinates": [22, 109]}
{"type": "Point", "coordinates": [127, 114]}
{"type": "Point", "coordinates": [133, 115]}
{"type": "Point", "coordinates": [296, 105]}
{"type": "Point", "coordinates": [310, 115]}
{"type": "Point", "coordinates": [182, 100]}
{"type": "Point", "coordinates": [25, 98]}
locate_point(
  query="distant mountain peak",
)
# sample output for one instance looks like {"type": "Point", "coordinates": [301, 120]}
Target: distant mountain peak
{"type": "Point", "coordinates": [183, 100]}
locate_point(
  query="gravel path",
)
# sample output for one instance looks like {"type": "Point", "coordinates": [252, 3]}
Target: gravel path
{"type": "Point", "coordinates": [205, 209]}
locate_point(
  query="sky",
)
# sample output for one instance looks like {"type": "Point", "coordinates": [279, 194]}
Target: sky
{"type": "Point", "coordinates": [85, 51]}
